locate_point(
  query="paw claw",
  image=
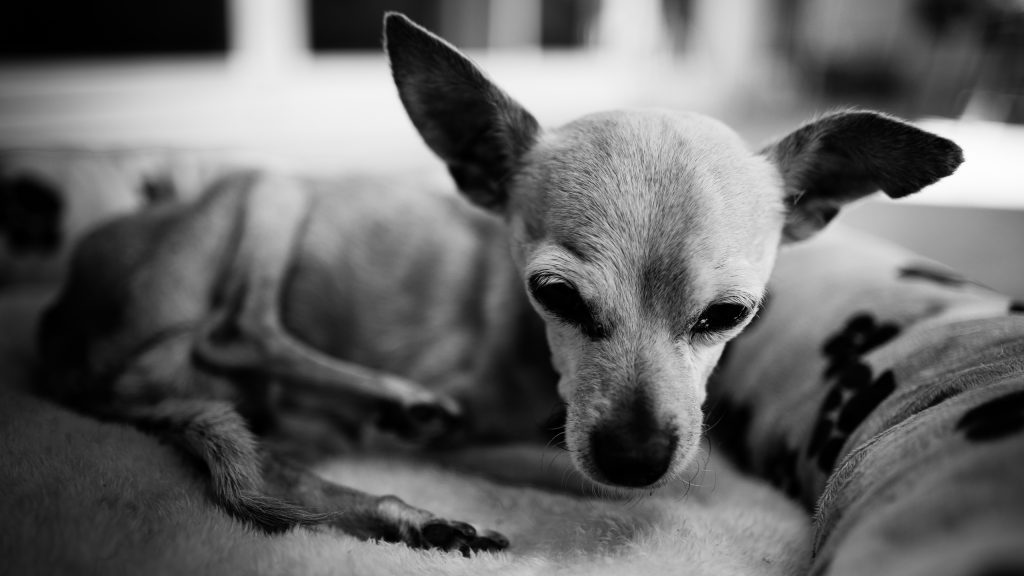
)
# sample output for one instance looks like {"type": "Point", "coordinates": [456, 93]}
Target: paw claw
{"type": "Point", "coordinates": [424, 415]}
{"type": "Point", "coordinates": [422, 421]}
{"type": "Point", "coordinates": [495, 539]}
{"type": "Point", "coordinates": [460, 536]}
{"type": "Point", "coordinates": [445, 534]}
{"type": "Point", "coordinates": [421, 529]}
{"type": "Point", "coordinates": [465, 530]}
{"type": "Point", "coordinates": [489, 541]}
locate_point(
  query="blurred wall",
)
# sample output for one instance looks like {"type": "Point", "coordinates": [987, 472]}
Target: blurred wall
{"type": "Point", "coordinates": [984, 244]}
{"type": "Point", "coordinates": [762, 66]}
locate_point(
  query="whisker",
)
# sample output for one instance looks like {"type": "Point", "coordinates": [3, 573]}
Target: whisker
{"type": "Point", "coordinates": [707, 460]}
{"type": "Point", "coordinates": [707, 427]}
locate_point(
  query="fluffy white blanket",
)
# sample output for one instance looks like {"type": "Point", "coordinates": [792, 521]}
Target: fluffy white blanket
{"type": "Point", "coordinates": [79, 496]}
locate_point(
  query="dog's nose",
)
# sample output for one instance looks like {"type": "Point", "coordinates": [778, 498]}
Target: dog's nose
{"type": "Point", "coordinates": [634, 454]}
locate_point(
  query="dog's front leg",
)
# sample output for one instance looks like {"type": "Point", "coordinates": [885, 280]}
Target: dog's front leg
{"type": "Point", "coordinates": [401, 405]}
{"type": "Point", "coordinates": [372, 517]}
{"type": "Point", "coordinates": [245, 332]}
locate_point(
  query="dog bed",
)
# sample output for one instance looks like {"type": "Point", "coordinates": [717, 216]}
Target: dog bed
{"type": "Point", "coordinates": [881, 391]}
{"type": "Point", "coordinates": [886, 393]}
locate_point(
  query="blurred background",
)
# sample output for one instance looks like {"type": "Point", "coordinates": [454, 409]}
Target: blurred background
{"type": "Point", "coordinates": [306, 81]}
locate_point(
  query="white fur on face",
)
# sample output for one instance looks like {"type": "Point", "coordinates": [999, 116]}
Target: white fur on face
{"type": "Point", "coordinates": [653, 217]}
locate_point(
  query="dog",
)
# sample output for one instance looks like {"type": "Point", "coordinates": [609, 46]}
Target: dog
{"type": "Point", "coordinates": [604, 265]}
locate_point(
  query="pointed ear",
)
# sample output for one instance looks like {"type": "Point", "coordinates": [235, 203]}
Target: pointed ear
{"type": "Point", "coordinates": [477, 129]}
{"type": "Point", "coordinates": [847, 155]}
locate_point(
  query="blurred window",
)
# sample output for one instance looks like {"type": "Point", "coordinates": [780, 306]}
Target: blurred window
{"type": "Point", "coordinates": [564, 23]}
{"type": "Point", "coordinates": [59, 29]}
{"type": "Point", "coordinates": [344, 25]}
{"type": "Point", "coordinates": [355, 24]}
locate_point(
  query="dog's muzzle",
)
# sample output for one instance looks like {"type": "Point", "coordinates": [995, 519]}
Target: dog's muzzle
{"type": "Point", "coordinates": [632, 448]}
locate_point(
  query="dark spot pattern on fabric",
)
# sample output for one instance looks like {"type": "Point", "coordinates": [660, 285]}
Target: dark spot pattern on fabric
{"type": "Point", "coordinates": [820, 435]}
{"type": "Point", "coordinates": [830, 453]}
{"type": "Point", "coordinates": [931, 273]}
{"type": "Point", "coordinates": [833, 399]}
{"type": "Point", "coordinates": [860, 335]}
{"type": "Point", "coordinates": [30, 215]}
{"type": "Point", "coordinates": [847, 405]}
{"type": "Point", "coordinates": [1003, 568]}
{"type": "Point", "coordinates": [865, 401]}
{"type": "Point", "coordinates": [781, 468]}
{"type": "Point", "coordinates": [995, 419]}
{"type": "Point", "coordinates": [854, 392]}
{"type": "Point", "coordinates": [158, 189]}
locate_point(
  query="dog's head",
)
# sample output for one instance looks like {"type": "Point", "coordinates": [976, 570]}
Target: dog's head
{"type": "Point", "coordinates": [645, 239]}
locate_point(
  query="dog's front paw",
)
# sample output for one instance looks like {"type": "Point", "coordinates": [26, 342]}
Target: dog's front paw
{"type": "Point", "coordinates": [452, 535]}
{"type": "Point", "coordinates": [424, 422]}
{"type": "Point", "coordinates": [421, 529]}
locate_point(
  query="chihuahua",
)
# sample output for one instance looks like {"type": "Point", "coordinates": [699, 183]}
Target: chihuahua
{"type": "Point", "coordinates": [623, 250]}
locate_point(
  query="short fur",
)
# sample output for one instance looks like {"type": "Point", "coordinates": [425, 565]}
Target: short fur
{"type": "Point", "coordinates": [640, 243]}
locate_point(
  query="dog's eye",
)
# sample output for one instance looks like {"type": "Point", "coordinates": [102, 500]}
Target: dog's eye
{"type": "Point", "coordinates": [720, 318]}
{"type": "Point", "coordinates": [563, 300]}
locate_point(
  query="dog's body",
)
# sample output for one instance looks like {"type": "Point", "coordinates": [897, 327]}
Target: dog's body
{"type": "Point", "coordinates": [637, 242]}
{"type": "Point", "coordinates": [147, 342]}
{"type": "Point", "coordinates": [394, 279]}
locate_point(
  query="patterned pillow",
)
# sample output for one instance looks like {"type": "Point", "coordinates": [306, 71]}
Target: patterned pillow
{"type": "Point", "coordinates": [48, 198]}
{"type": "Point", "coordinates": [886, 393]}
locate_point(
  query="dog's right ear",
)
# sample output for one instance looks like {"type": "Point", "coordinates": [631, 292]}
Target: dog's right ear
{"type": "Point", "coordinates": [477, 129]}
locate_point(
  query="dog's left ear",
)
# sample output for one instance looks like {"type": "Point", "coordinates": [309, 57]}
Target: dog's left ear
{"type": "Point", "coordinates": [848, 155]}
{"type": "Point", "coordinates": [477, 129]}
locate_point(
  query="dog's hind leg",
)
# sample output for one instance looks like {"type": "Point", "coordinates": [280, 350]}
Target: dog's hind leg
{"type": "Point", "coordinates": [209, 417]}
{"type": "Point", "coordinates": [371, 517]}
{"type": "Point", "coordinates": [245, 332]}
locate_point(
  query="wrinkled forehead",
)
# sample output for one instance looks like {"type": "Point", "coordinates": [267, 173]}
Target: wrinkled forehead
{"type": "Point", "coordinates": [650, 185]}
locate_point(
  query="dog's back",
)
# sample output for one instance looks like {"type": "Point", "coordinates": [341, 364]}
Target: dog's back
{"type": "Point", "coordinates": [383, 274]}
{"type": "Point", "coordinates": [399, 279]}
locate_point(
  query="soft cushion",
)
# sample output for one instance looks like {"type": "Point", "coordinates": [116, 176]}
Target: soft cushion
{"type": "Point", "coordinates": [886, 393]}
{"type": "Point", "coordinates": [50, 197]}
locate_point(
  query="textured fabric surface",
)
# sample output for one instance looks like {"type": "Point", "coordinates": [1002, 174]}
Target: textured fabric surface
{"type": "Point", "coordinates": [886, 393]}
{"type": "Point", "coordinates": [50, 197]}
{"type": "Point", "coordinates": [880, 390]}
